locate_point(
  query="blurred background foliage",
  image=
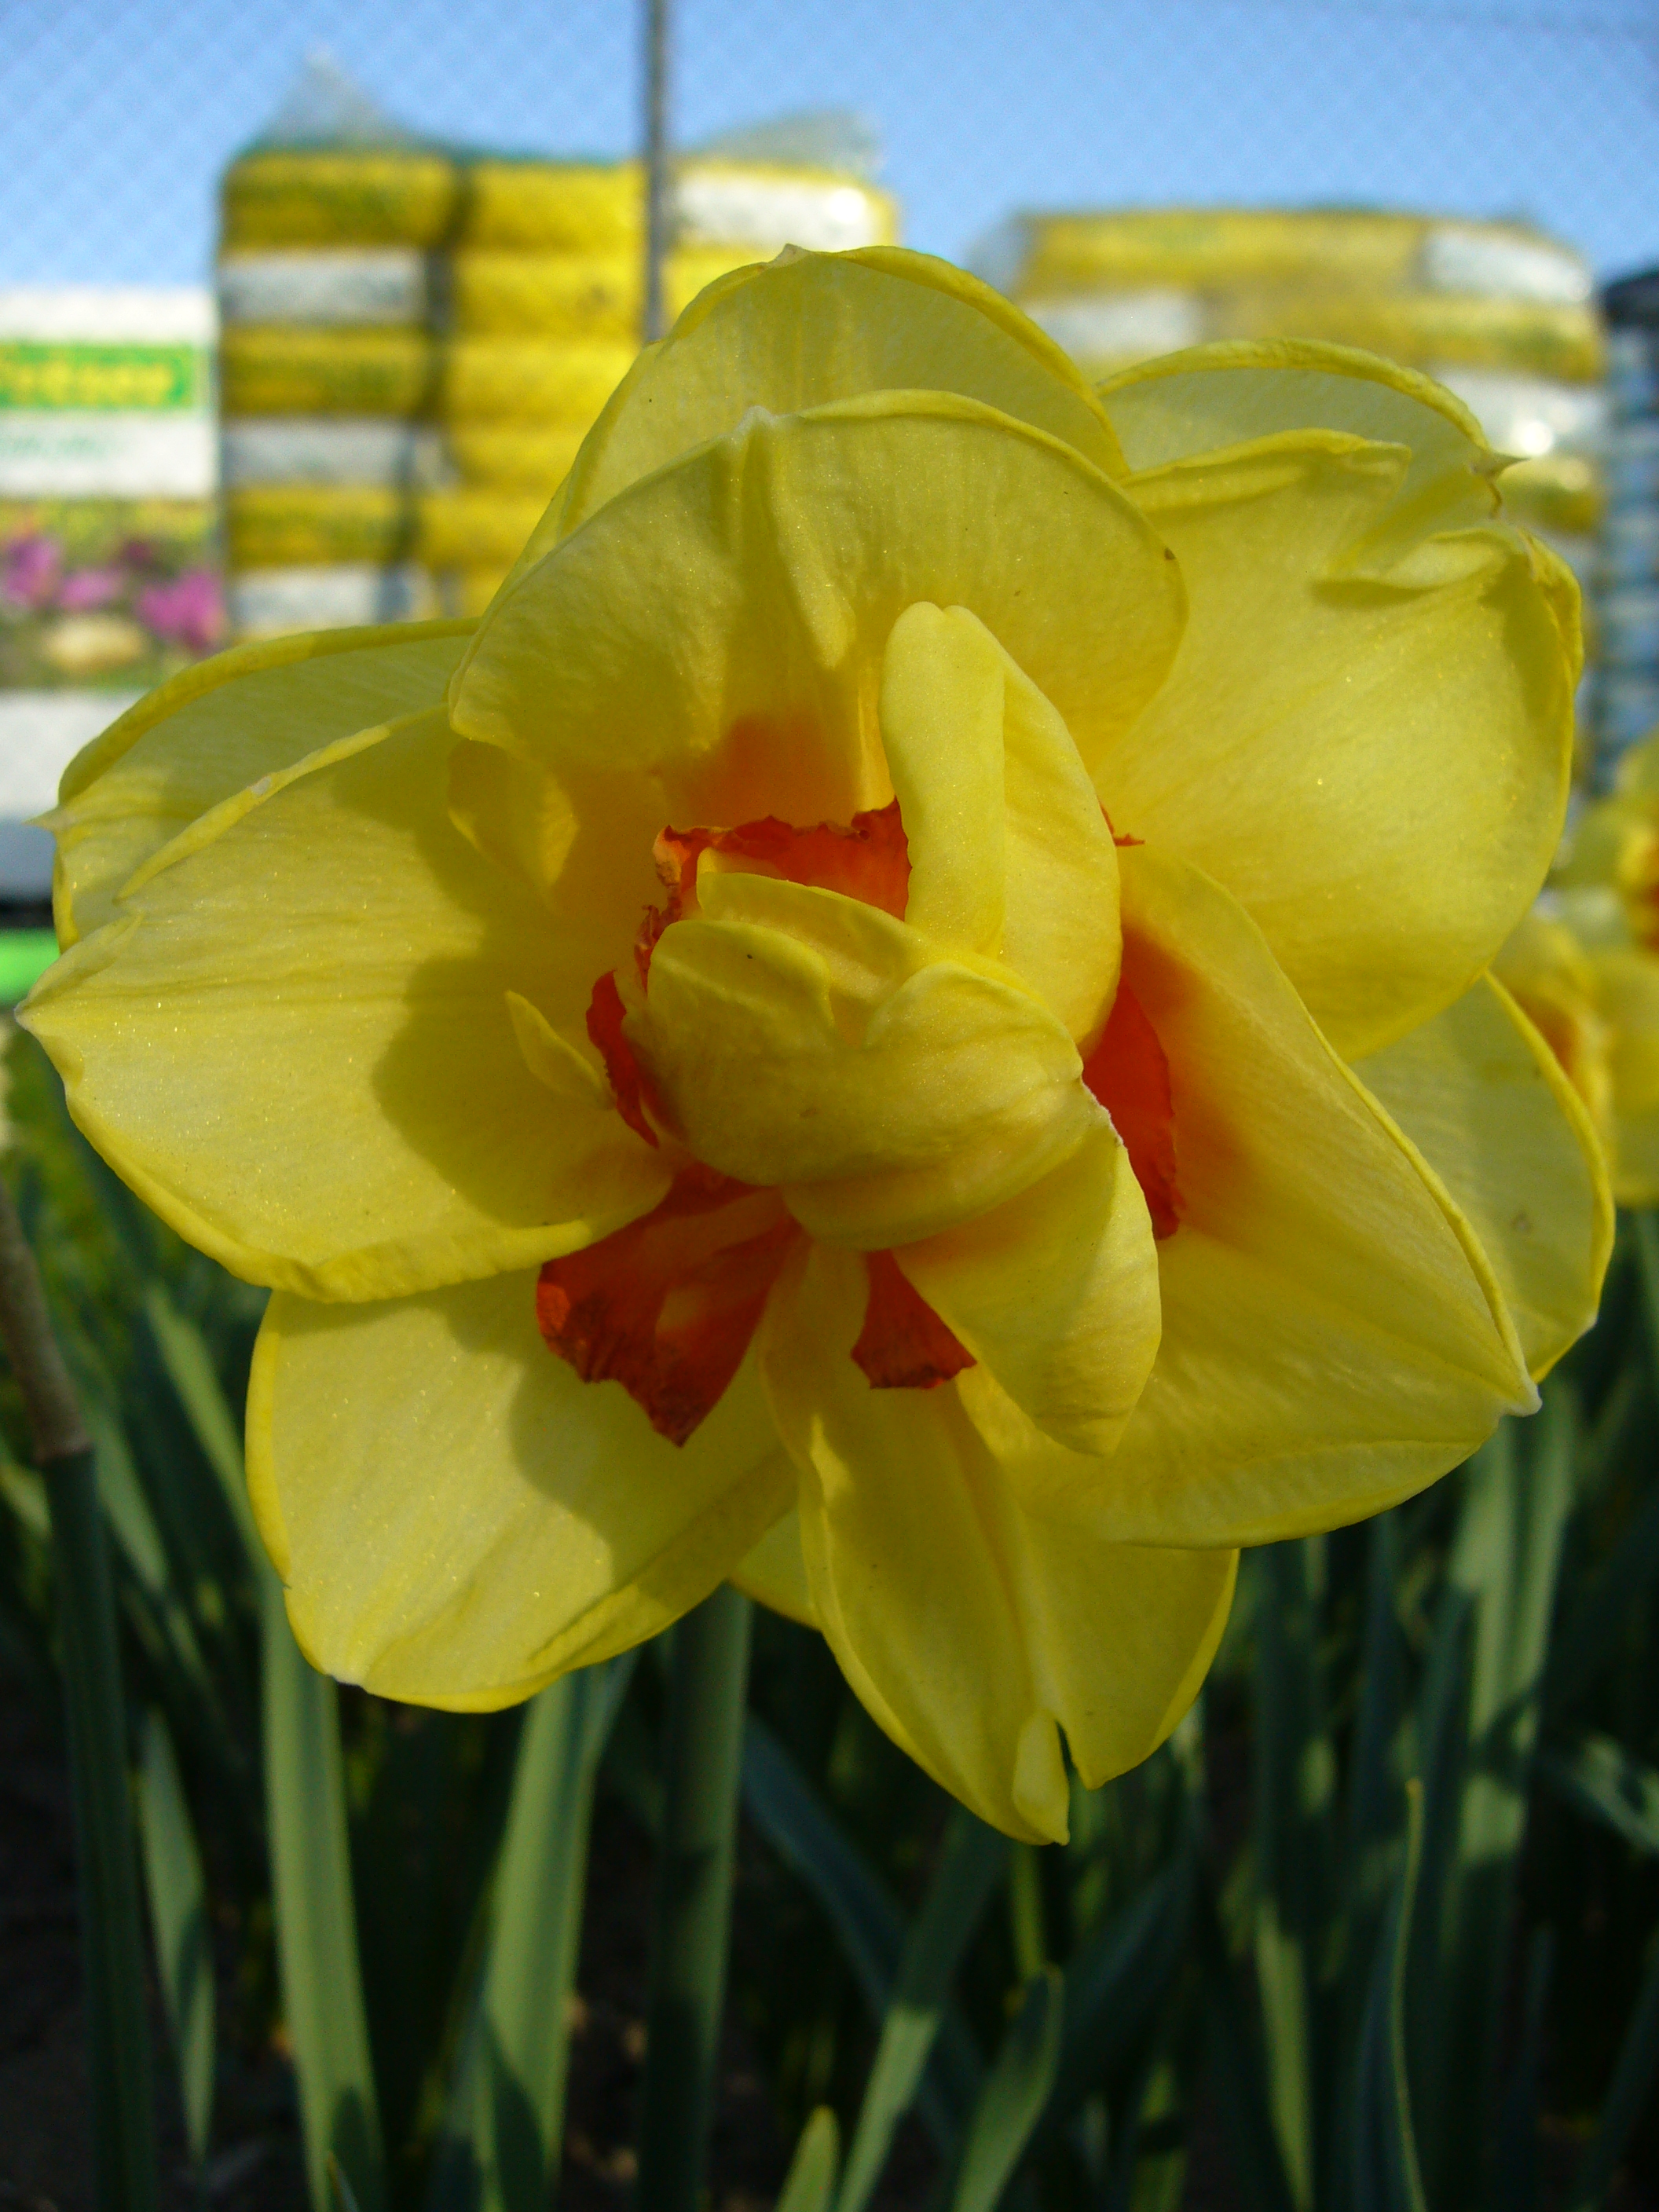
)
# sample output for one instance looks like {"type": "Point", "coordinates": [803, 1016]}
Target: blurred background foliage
{"type": "Point", "coordinates": [1377, 1931]}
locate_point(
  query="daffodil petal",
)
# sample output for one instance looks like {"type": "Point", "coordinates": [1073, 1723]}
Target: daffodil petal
{"type": "Point", "coordinates": [1481, 1095]}
{"type": "Point", "coordinates": [1059, 925]}
{"type": "Point", "coordinates": [296, 1042]}
{"type": "Point", "coordinates": [941, 731]}
{"type": "Point", "coordinates": [1332, 1336]}
{"type": "Point", "coordinates": [458, 1518]}
{"type": "Point", "coordinates": [774, 1572]}
{"type": "Point", "coordinates": [801, 1038]}
{"type": "Point", "coordinates": [719, 626]}
{"type": "Point", "coordinates": [1214, 396]}
{"type": "Point", "coordinates": [1055, 1293]}
{"type": "Point", "coordinates": [1010, 854]}
{"type": "Point", "coordinates": [581, 843]}
{"type": "Point", "coordinates": [974, 1634]}
{"type": "Point", "coordinates": [1371, 754]}
{"type": "Point", "coordinates": [221, 725]}
{"type": "Point", "coordinates": [1627, 992]}
{"type": "Point", "coordinates": [807, 330]}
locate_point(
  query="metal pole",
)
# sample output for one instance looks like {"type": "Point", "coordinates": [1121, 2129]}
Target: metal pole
{"type": "Point", "coordinates": [659, 209]}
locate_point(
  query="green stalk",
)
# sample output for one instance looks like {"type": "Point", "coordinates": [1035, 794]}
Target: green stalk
{"type": "Point", "coordinates": [692, 1911]}
{"type": "Point", "coordinates": [112, 1941]}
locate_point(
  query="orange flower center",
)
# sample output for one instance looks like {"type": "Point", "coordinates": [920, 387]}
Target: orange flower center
{"type": "Point", "coordinates": [667, 1306]}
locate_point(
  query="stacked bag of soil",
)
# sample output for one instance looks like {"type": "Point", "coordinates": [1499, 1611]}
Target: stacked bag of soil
{"type": "Point", "coordinates": [416, 340]}
{"type": "Point", "coordinates": [334, 227]}
{"type": "Point", "coordinates": [1501, 313]}
{"type": "Point", "coordinates": [546, 300]}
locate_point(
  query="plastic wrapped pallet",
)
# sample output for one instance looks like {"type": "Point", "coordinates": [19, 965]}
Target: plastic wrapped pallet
{"type": "Point", "coordinates": [272, 371]}
{"type": "Point", "coordinates": [553, 207]}
{"type": "Point", "coordinates": [349, 449]}
{"type": "Point", "coordinates": [309, 526]}
{"type": "Point", "coordinates": [572, 207]}
{"type": "Point", "coordinates": [352, 287]}
{"type": "Point", "coordinates": [530, 381]}
{"type": "Point", "coordinates": [513, 458]}
{"type": "Point", "coordinates": [768, 205]}
{"type": "Point", "coordinates": [1556, 338]}
{"type": "Point", "coordinates": [365, 197]}
{"type": "Point", "coordinates": [1223, 249]}
{"type": "Point", "coordinates": [339, 595]}
{"type": "Point", "coordinates": [471, 528]}
{"type": "Point", "coordinates": [1498, 312]}
{"type": "Point", "coordinates": [575, 295]}
{"type": "Point", "coordinates": [545, 290]}
{"type": "Point", "coordinates": [468, 592]}
{"type": "Point", "coordinates": [331, 281]}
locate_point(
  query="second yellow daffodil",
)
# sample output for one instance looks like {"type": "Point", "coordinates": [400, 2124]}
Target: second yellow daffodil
{"type": "Point", "coordinates": [905, 1022]}
{"type": "Point", "coordinates": [1585, 967]}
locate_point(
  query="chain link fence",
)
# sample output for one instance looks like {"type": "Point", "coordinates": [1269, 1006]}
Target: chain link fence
{"type": "Point", "coordinates": [124, 116]}
{"type": "Point", "coordinates": [121, 117]}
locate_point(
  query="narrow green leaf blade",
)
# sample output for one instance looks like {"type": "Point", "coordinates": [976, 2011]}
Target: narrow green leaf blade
{"type": "Point", "coordinates": [1294, 1834]}
{"type": "Point", "coordinates": [179, 1921]}
{"type": "Point", "coordinates": [505, 2127]}
{"type": "Point", "coordinates": [1015, 2092]}
{"type": "Point", "coordinates": [1627, 2097]}
{"type": "Point", "coordinates": [1601, 1778]}
{"type": "Point", "coordinates": [867, 1923]}
{"type": "Point", "coordinates": [188, 1368]}
{"type": "Point", "coordinates": [1385, 2175]}
{"type": "Point", "coordinates": [1119, 1978]}
{"type": "Point", "coordinates": [809, 2185]}
{"type": "Point", "coordinates": [316, 1923]}
{"type": "Point", "coordinates": [970, 1865]}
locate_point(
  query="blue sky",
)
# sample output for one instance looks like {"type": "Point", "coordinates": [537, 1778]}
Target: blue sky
{"type": "Point", "coordinates": [120, 116]}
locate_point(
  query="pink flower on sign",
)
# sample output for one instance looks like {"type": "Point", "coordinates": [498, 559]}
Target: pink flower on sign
{"type": "Point", "coordinates": [29, 570]}
{"type": "Point", "coordinates": [189, 612]}
{"type": "Point", "coordinates": [84, 589]}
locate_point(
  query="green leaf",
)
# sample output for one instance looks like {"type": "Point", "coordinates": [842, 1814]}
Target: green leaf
{"type": "Point", "coordinates": [1236, 2067]}
{"type": "Point", "coordinates": [316, 1924]}
{"type": "Point", "coordinates": [190, 1369]}
{"type": "Point", "coordinates": [344, 2198]}
{"type": "Point", "coordinates": [1504, 1565]}
{"type": "Point", "coordinates": [1589, 1638]}
{"type": "Point", "coordinates": [179, 1922]}
{"type": "Point", "coordinates": [868, 1924]}
{"type": "Point", "coordinates": [1385, 2176]}
{"type": "Point", "coordinates": [1117, 1980]}
{"type": "Point", "coordinates": [111, 1935]}
{"type": "Point", "coordinates": [1294, 1834]}
{"type": "Point", "coordinates": [1647, 1256]}
{"type": "Point", "coordinates": [1016, 2091]}
{"type": "Point", "coordinates": [1601, 1778]}
{"type": "Point", "coordinates": [809, 2185]}
{"type": "Point", "coordinates": [970, 1865]}
{"type": "Point", "coordinates": [1627, 2097]}
{"type": "Point", "coordinates": [24, 1492]}
{"type": "Point", "coordinates": [1516, 2176]}
{"type": "Point", "coordinates": [504, 2128]}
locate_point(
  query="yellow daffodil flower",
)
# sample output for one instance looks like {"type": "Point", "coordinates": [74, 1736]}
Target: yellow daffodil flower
{"type": "Point", "coordinates": [1585, 968]}
{"type": "Point", "coordinates": [906, 1022]}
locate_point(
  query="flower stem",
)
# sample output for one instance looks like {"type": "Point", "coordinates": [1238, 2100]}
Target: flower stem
{"type": "Point", "coordinates": [692, 1911]}
{"type": "Point", "coordinates": [112, 1943]}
